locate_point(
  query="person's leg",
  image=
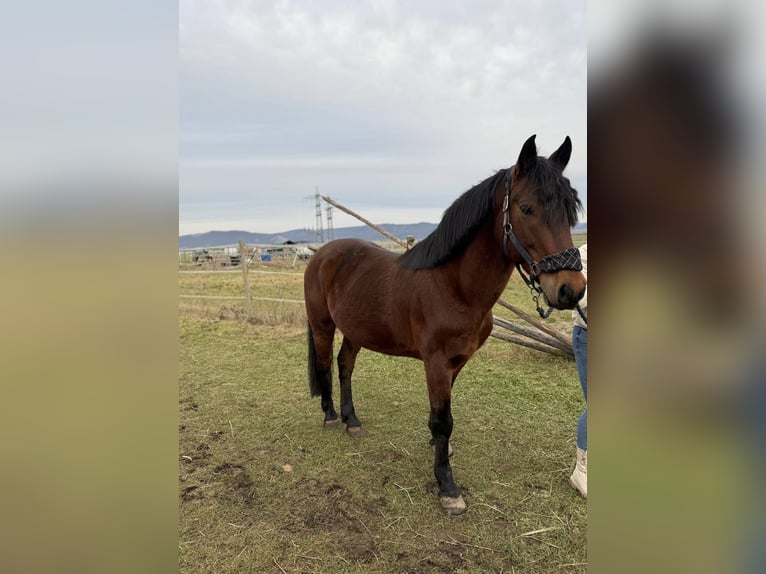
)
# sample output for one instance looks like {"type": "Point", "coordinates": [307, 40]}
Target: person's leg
{"type": "Point", "coordinates": [580, 346]}
{"type": "Point", "coordinates": [579, 478]}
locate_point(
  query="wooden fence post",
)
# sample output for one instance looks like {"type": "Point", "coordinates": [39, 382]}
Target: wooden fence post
{"type": "Point", "coordinates": [243, 263]}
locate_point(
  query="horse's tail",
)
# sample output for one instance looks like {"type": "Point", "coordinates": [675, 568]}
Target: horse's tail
{"type": "Point", "coordinates": [316, 381]}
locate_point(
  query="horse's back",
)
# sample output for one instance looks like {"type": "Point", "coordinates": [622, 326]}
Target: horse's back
{"type": "Point", "coordinates": [344, 257]}
{"type": "Point", "coordinates": [358, 284]}
{"type": "Point", "coordinates": [347, 269]}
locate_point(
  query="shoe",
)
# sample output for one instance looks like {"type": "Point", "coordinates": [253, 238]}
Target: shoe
{"type": "Point", "coordinates": [579, 478]}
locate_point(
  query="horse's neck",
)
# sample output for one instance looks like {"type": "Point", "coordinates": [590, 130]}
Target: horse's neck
{"type": "Point", "coordinates": [483, 270]}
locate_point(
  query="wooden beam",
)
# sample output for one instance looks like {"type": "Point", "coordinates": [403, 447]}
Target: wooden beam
{"type": "Point", "coordinates": [533, 334]}
{"type": "Point", "coordinates": [530, 344]}
{"type": "Point", "coordinates": [532, 321]}
{"type": "Point", "coordinates": [366, 222]}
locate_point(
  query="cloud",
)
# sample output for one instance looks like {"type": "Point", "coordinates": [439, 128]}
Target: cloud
{"type": "Point", "coordinates": [373, 98]}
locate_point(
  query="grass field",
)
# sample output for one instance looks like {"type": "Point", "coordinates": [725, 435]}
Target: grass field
{"type": "Point", "coordinates": [265, 488]}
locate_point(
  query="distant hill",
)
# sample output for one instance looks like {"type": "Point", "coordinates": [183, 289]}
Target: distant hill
{"type": "Point", "coordinates": [219, 238]}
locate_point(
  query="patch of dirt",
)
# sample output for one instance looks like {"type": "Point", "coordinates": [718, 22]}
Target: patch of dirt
{"type": "Point", "coordinates": [389, 456]}
{"type": "Point", "coordinates": [191, 493]}
{"type": "Point", "coordinates": [188, 404]}
{"type": "Point", "coordinates": [432, 560]}
{"type": "Point", "coordinates": [330, 507]}
{"type": "Point", "coordinates": [196, 458]}
{"type": "Point", "coordinates": [237, 483]}
{"type": "Point", "coordinates": [227, 466]}
{"type": "Point", "coordinates": [447, 558]}
{"type": "Point", "coordinates": [333, 488]}
{"type": "Point", "coordinates": [538, 486]}
{"type": "Point", "coordinates": [358, 548]}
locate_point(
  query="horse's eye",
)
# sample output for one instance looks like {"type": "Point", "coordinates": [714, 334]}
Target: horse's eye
{"type": "Point", "coordinates": [526, 210]}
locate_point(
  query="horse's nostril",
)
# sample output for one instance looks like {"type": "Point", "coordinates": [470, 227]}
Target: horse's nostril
{"type": "Point", "coordinates": [566, 295]}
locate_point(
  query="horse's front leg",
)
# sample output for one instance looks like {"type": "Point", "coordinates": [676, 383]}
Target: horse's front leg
{"type": "Point", "coordinates": [439, 379]}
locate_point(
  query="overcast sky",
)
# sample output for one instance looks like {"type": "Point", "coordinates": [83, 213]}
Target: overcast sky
{"type": "Point", "coordinates": [392, 108]}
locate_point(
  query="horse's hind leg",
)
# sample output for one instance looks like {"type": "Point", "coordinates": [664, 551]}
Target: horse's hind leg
{"type": "Point", "coordinates": [320, 372]}
{"type": "Point", "coordinates": [346, 361]}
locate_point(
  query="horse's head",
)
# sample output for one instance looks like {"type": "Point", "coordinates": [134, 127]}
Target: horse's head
{"type": "Point", "coordinates": [541, 209]}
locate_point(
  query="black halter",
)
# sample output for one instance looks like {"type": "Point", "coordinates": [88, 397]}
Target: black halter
{"type": "Point", "coordinates": [568, 259]}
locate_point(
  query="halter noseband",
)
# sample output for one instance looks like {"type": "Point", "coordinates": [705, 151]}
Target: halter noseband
{"type": "Point", "coordinates": [568, 259]}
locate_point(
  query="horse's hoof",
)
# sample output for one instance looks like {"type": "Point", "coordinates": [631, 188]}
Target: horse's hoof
{"type": "Point", "coordinates": [333, 424]}
{"type": "Point", "coordinates": [356, 432]}
{"type": "Point", "coordinates": [454, 505]}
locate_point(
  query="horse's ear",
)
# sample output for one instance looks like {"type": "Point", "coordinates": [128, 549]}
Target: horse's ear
{"type": "Point", "coordinates": [561, 156]}
{"type": "Point", "coordinates": [528, 156]}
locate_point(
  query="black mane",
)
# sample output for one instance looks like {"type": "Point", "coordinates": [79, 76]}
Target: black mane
{"type": "Point", "coordinates": [465, 216]}
{"type": "Point", "coordinates": [457, 228]}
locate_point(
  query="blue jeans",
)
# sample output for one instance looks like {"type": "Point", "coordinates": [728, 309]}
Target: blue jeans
{"type": "Point", "coordinates": [580, 346]}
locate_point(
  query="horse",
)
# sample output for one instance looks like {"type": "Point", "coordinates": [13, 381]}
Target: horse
{"type": "Point", "coordinates": [434, 302]}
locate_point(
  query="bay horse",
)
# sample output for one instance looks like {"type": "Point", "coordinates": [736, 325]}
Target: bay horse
{"type": "Point", "coordinates": [434, 302]}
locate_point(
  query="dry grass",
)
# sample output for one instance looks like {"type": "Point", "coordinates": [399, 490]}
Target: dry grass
{"type": "Point", "coordinates": [285, 285]}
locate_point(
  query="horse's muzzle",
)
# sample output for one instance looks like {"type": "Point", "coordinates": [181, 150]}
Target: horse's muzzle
{"type": "Point", "coordinates": [563, 290]}
{"type": "Point", "coordinates": [568, 298]}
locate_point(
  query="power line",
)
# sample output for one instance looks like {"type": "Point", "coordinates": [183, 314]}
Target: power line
{"type": "Point", "coordinates": [319, 231]}
{"type": "Point", "coordinates": [330, 231]}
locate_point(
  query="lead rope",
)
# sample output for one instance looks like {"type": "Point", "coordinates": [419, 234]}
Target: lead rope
{"type": "Point", "coordinates": [582, 314]}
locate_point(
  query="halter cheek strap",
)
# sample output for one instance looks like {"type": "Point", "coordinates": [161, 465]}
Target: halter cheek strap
{"type": "Point", "coordinates": [568, 259]}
